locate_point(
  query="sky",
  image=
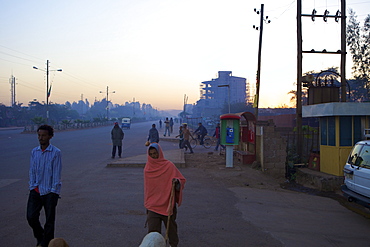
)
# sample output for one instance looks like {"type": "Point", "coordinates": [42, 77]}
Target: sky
{"type": "Point", "coordinates": [156, 51]}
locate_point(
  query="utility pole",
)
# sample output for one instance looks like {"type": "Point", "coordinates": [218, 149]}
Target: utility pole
{"type": "Point", "coordinates": [184, 111]}
{"type": "Point", "coordinates": [107, 102]}
{"type": "Point", "coordinates": [12, 90]}
{"type": "Point", "coordinates": [339, 15]}
{"type": "Point", "coordinates": [258, 80]}
{"type": "Point", "coordinates": [299, 80]}
{"type": "Point", "coordinates": [48, 89]}
{"type": "Point", "coordinates": [343, 49]}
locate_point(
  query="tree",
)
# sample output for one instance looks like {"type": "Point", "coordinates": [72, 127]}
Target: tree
{"type": "Point", "coordinates": [358, 41]}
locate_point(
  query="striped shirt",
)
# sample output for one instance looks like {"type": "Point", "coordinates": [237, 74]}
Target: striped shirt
{"type": "Point", "coordinates": [45, 170]}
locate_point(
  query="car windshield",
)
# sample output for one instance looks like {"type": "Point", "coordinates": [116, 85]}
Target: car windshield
{"type": "Point", "coordinates": [365, 156]}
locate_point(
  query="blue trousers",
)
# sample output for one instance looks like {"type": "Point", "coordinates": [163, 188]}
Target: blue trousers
{"type": "Point", "coordinates": [35, 203]}
{"type": "Point", "coordinates": [167, 129]}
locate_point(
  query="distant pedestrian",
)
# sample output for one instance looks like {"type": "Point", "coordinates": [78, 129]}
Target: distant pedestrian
{"type": "Point", "coordinates": [171, 125]}
{"type": "Point", "coordinates": [181, 136]}
{"type": "Point", "coordinates": [167, 127]}
{"type": "Point", "coordinates": [202, 132]}
{"type": "Point", "coordinates": [187, 135]}
{"type": "Point", "coordinates": [117, 137]}
{"type": "Point", "coordinates": [44, 185]}
{"type": "Point", "coordinates": [160, 123]}
{"type": "Point", "coordinates": [153, 135]}
{"type": "Point", "coordinates": [217, 135]}
{"type": "Point", "coordinates": [163, 186]}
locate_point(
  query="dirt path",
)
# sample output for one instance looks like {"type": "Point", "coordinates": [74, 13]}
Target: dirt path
{"type": "Point", "coordinates": [238, 176]}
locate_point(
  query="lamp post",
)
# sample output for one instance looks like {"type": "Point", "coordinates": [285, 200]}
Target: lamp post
{"type": "Point", "coordinates": [107, 101]}
{"type": "Point", "coordinates": [228, 92]}
{"type": "Point", "coordinates": [48, 89]}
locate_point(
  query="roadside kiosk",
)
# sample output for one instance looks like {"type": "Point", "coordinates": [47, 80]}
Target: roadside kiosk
{"type": "Point", "coordinates": [229, 135]}
{"type": "Point", "coordinates": [342, 124]}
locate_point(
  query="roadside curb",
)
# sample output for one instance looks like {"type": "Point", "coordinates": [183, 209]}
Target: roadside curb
{"type": "Point", "coordinates": [175, 156]}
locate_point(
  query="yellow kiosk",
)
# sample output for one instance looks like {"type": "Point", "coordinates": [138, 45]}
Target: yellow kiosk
{"type": "Point", "coordinates": [342, 124]}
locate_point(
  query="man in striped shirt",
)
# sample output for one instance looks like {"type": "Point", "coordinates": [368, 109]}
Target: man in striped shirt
{"type": "Point", "coordinates": [44, 185]}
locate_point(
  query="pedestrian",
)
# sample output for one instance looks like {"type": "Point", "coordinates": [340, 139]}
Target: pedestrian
{"type": "Point", "coordinates": [44, 185]}
{"type": "Point", "coordinates": [167, 127]}
{"type": "Point", "coordinates": [202, 132]}
{"type": "Point", "coordinates": [217, 135]}
{"type": "Point", "coordinates": [181, 136]}
{"type": "Point", "coordinates": [153, 135]}
{"type": "Point", "coordinates": [160, 123]}
{"type": "Point", "coordinates": [159, 199]}
{"type": "Point", "coordinates": [187, 135]}
{"type": "Point", "coordinates": [171, 125]}
{"type": "Point", "coordinates": [117, 137]}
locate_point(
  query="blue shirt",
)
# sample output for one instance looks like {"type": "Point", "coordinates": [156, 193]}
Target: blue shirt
{"type": "Point", "coordinates": [45, 170]}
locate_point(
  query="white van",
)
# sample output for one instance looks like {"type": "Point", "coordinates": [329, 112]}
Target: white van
{"type": "Point", "coordinates": [126, 123]}
{"type": "Point", "coordinates": [357, 174]}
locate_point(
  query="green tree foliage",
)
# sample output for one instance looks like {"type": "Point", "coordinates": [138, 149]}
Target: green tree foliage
{"type": "Point", "coordinates": [358, 41]}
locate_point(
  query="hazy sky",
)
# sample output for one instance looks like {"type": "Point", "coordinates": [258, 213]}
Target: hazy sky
{"type": "Point", "coordinates": [155, 51]}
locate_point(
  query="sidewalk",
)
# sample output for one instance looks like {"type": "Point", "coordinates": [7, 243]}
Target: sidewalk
{"type": "Point", "coordinates": [176, 155]}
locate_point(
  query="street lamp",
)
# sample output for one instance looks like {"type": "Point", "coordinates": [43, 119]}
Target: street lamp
{"type": "Point", "coordinates": [228, 92]}
{"type": "Point", "coordinates": [48, 89]}
{"type": "Point", "coordinates": [107, 101]}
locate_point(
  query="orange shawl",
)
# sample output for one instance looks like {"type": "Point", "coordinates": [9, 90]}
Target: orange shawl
{"type": "Point", "coordinates": [158, 175]}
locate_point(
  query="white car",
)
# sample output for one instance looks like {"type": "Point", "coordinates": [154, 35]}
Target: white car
{"type": "Point", "coordinates": [357, 174]}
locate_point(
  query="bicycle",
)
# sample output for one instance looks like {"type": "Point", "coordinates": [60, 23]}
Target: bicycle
{"type": "Point", "coordinates": [207, 142]}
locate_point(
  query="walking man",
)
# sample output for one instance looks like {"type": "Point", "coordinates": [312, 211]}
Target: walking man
{"type": "Point", "coordinates": [167, 127]}
{"type": "Point", "coordinates": [217, 135]}
{"type": "Point", "coordinates": [186, 133]}
{"type": "Point", "coordinates": [153, 135]}
{"type": "Point", "coordinates": [171, 125]}
{"type": "Point", "coordinates": [117, 137]}
{"type": "Point", "coordinates": [181, 136]}
{"type": "Point", "coordinates": [44, 185]}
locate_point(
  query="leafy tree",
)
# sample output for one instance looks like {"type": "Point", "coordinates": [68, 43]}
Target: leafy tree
{"type": "Point", "coordinates": [358, 41]}
{"type": "Point", "coordinates": [39, 120]}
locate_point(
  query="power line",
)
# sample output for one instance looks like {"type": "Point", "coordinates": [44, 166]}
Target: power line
{"type": "Point", "coordinates": [20, 52]}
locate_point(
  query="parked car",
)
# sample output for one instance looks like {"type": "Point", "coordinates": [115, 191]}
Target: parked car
{"type": "Point", "coordinates": [356, 186]}
{"type": "Point", "coordinates": [126, 123]}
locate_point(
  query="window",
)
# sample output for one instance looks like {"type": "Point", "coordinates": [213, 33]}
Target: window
{"type": "Point", "coordinates": [331, 131]}
{"type": "Point", "coordinates": [324, 131]}
{"type": "Point", "coordinates": [327, 126]}
{"type": "Point", "coordinates": [357, 135]}
{"type": "Point", "coordinates": [345, 128]}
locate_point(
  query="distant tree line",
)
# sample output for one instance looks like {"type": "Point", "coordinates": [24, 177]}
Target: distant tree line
{"type": "Point", "coordinates": [77, 112]}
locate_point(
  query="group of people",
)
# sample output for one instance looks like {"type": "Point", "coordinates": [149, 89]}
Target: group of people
{"type": "Point", "coordinates": [163, 186]}
{"type": "Point", "coordinates": [163, 182]}
{"type": "Point", "coordinates": [184, 135]}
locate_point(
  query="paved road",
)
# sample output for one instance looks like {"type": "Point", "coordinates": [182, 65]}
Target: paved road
{"type": "Point", "coordinates": [104, 206]}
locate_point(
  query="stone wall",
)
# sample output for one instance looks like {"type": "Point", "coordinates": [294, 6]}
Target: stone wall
{"type": "Point", "coordinates": [274, 149]}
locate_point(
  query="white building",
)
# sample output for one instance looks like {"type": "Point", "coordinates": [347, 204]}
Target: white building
{"type": "Point", "coordinates": [217, 93]}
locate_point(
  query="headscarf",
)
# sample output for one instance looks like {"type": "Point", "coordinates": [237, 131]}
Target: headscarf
{"type": "Point", "coordinates": [158, 175]}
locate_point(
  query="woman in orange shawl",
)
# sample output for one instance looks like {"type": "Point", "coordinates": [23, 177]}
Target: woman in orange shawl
{"type": "Point", "coordinates": [159, 174]}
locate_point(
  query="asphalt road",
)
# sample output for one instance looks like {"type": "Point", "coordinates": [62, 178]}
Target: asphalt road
{"type": "Point", "coordinates": [103, 206]}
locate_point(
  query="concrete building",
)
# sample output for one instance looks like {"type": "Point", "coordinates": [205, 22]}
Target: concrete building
{"type": "Point", "coordinates": [213, 97]}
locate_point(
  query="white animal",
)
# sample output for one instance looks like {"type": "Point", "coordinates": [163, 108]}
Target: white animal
{"type": "Point", "coordinates": [153, 239]}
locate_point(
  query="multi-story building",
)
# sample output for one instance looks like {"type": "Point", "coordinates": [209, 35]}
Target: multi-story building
{"type": "Point", "coordinates": [217, 93]}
